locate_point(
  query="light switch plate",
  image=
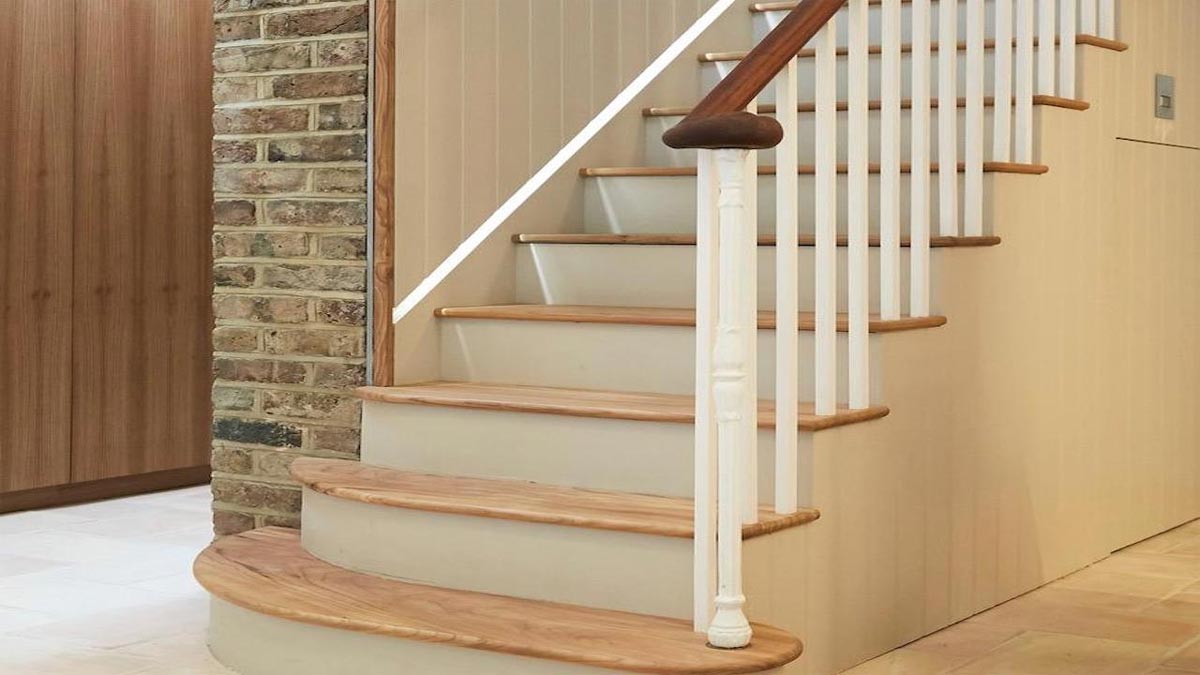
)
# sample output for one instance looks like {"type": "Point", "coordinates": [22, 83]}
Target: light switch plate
{"type": "Point", "coordinates": [1164, 97]}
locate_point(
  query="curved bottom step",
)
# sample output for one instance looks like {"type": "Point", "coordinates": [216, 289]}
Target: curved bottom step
{"type": "Point", "coordinates": [279, 609]}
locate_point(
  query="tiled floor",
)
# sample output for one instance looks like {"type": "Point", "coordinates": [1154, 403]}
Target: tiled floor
{"type": "Point", "coordinates": [1135, 613]}
{"type": "Point", "coordinates": [106, 589]}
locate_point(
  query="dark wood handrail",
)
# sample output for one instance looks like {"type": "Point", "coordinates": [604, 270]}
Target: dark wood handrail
{"type": "Point", "coordinates": [721, 120]}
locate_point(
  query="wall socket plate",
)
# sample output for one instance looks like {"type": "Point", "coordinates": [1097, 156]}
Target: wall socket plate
{"type": "Point", "coordinates": [1164, 97]}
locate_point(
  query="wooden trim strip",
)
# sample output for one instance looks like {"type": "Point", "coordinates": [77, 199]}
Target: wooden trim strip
{"type": "Point", "coordinates": [1090, 40]}
{"type": "Point", "coordinates": [268, 572]}
{"type": "Point", "coordinates": [906, 104]}
{"type": "Point", "coordinates": [519, 500]}
{"type": "Point", "coordinates": [657, 316]}
{"type": "Point", "coordinates": [121, 486]}
{"type": "Point", "coordinates": [637, 407]}
{"type": "Point", "coordinates": [804, 170]}
{"type": "Point", "coordinates": [383, 158]}
{"type": "Point", "coordinates": [763, 240]}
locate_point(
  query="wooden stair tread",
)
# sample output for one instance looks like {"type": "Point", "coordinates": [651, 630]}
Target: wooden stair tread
{"type": "Point", "coordinates": [808, 53]}
{"type": "Point", "coordinates": [656, 316]}
{"type": "Point", "coordinates": [803, 170]}
{"type": "Point", "coordinates": [519, 500]}
{"type": "Point", "coordinates": [267, 571]}
{"type": "Point", "coordinates": [633, 406]}
{"type": "Point", "coordinates": [763, 240]}
{"type": "Point", "coordinates": [769, 108]}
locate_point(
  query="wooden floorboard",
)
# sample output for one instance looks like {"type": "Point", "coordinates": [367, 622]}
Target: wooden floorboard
{"type": "Point", "coordinates": [268, 572]}
{"type": "Point", "coordinates": [641, 407]}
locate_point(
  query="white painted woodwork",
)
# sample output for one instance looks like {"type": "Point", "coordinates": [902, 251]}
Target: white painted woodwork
{"type": "Point", "coordinates": [890, 153]}
{"type": "Point", "coordinates": [1047, 36]}
{"type": "Point", "coordinates": [1002, 97]}
{"type": "Point", "coordinates": [1108, 19]}
{"type": "Point", "coordinates": [704, 274]}
{"type": "Point", "coordinates": [1024, 73]}
{"type": "Point", "coordinates": [920, 135]}
{"type": "Point", "coordinates": [1066, 53]}
{"type": "Point", "coordinates": [825, 214]}
{"type": "Point", "coordinates": [973, 193]}
{"type": "Point", "coordinates": [736, 421]}
{"type": "Point", "coordinates": [859, 200]}
{"type": "Point", "coordinates": [787, 307]}
{"type": "Point", "coordinates": [747, 253]}
{"type": "Point", "coordinates": [1088, 17]}
{"type": "Point", "coordinates": [948, 73]}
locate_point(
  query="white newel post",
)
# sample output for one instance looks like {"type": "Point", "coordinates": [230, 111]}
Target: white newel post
{"type": "Point", "coordinates": [729, 628]}
{"type": "Point", "coordinates": [705, 538]}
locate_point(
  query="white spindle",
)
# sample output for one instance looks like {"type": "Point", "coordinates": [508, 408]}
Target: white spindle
{"type": "Point", "coordinates": [1108, 19]}
{"type": "Point", "coordinates": [749, 267]}
{"type": "Point", "coordinates": [705, 541]}
{"type": "Point", "coordinates": [948, 117]}
{"type": "Point", "coordinates": [973, 156]}
{"type": "Point", "coordinates": [1087, 17]}
{"type": "Point", "coordinates": [1003, 96]}
{"type": "Point", "coordinates": [787, 288]}
{"type": "Point", "coordinates": [825, 215]}
{"type": "Point", "coordinates": [1023, 83]}
{"type": "Point", "coordinates": [731, 379]}
{"type": "Point", "coordinates": [1066, 58]}
{"type": "Point", "coordinates": [1046, 47]}
{"type": "Point", "coordinates": [889, 158]}
{"type": "Point", "coordinates": [858, 276]}
{"type": "Point", "coordinates": [919, 201]}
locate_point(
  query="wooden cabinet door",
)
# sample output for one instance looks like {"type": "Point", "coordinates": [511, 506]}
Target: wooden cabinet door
{"type": "Point", "coordinates": [143, 106]}
{"type": "Point", "coordinates": [36, 130]}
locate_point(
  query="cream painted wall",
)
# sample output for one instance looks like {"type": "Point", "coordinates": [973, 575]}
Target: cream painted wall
{"type": "Point", "coordinates": [491, 89]}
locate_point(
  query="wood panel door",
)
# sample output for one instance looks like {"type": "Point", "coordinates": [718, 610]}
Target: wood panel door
{"type": "Point", "coordinates": [36, 122]}
{"type": "Point", "coordinates": [142, 230]}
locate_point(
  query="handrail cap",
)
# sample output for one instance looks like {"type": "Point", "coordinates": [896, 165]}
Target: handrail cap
{"type": "Point", "coordinates": [737, 130]}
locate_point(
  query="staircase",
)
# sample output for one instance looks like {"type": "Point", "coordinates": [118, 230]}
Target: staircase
{"type": "Point", "coordinates": [534, 510]}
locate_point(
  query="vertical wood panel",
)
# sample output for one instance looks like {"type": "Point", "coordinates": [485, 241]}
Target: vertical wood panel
{"type": "Point", "coordinates": [444, 201]}
{"type": "Point", "coordinates": [383, 186]}
{"type": "Point", "coordinates": [513, 61]}
{"type": "Point", "coordinates": [546, 62]}
{"type": "Point", "coordinates": [480, 99]}
{"type": "Point", "coordinates": [36, 93]}
{"type": "Point", "coordinates": [412, 139]}
{"type": "Point", "coordinates": [578, 103]}
{"type": "Point", "coordinates": [143, 221]}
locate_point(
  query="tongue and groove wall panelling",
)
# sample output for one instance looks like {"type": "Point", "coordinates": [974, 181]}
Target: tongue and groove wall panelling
{"type": "Point", "coordinates": [35, 242]}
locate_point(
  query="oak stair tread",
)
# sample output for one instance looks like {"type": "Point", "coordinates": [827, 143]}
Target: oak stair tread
{"type": "Point", "coordinates": [803, 169]}
{"type": "Point", "coordinates": [661, 316]}
{"type": "Point", "coordinates": [268, 572]}
{"type": "Point", "coordinates": [630, 406]}
{"type": "Point", "coordinates": [518, 500]}
{"type": "Point", "coordinates": [763, 240]}
{"type": "Point", "coordinates": [808, 53]}
{"type": "Point", "coordinates": [876, 104]}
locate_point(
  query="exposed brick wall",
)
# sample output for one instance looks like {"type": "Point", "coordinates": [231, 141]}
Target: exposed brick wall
{"type": "Point", "coordinates": [289, 244]}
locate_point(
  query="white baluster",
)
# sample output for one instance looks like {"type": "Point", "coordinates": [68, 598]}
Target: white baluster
{"type": "Point", "coordinates": [1066, 58]}
{"type": "Point", "coordinates": [1023, 83]}
{"type": "Point", "coordinates": [1003, 96]}
{"type": "Point", "coordinates": [787, 288]}
{"type": "Point", "coordinates": [705, 541]}
{"type": "Point", "coordinates": [973, 192]}
{"type": "Point", "coordinates": [1108, 19]}
{"type": "Point", "coordinates": [825, 215]}
{"type": "Point", "coordinates": [1087, 17]}
{"type": "Point", "coordinates": [1046, 47]}
{"type": "Point", "coordinates": [889, 151]}
{"type": "Point", "coordinates": [729, 628]}
{"type": "Point", "coordinates": [948, 117]}
{"type": "Point", "coordinates": [919, 217]}
{"type": "Point", "coordinates": [858, 275]}
{"type": "Point", "coordinates": [749, 267]}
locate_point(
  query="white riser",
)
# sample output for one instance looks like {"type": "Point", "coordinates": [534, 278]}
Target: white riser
{"type": "Point", "coordinates": [711, 73]}
{"type": "Point", "coordinates": [663, 276]}
{"type": "Point", "coordinates": [613, 357]}
{"type": "Point", "coordinates": [606, 454]}
{"type": "Point", "coordinates": [257, 644]}
{"type": "Point", "coordinates": [667, 204]}
{"type": "Point", "coordinates": [624, 571]}
{"type": "Point", "coordinates": [658, 154]}
{"type": "Point", "coordinates": [765, 21]}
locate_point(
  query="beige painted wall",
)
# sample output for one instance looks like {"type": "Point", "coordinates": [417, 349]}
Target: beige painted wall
{"type": "Point", "coordinates": [491, 89]}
